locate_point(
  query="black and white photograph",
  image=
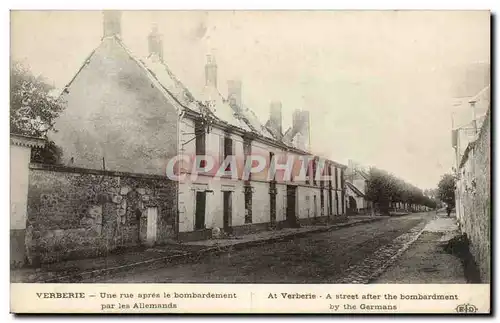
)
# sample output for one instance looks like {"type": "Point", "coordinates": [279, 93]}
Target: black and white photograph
{"type": "Point", "coordinates": [251, 147]}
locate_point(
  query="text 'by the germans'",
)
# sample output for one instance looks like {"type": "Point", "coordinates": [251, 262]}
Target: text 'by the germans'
{"type": "Point", "coordinates": [361, 302]}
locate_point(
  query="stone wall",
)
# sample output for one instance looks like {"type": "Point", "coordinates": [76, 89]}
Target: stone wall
{"type": "Point", "coordinates": [79, 213]}
{"type": "Point", "coordinates": [474, 190]}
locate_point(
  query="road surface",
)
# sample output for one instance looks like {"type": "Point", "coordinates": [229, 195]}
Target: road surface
{"type": "Point", "coordinates": [316, 258]}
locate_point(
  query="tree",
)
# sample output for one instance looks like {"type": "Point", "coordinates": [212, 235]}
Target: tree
{"type": "Point", "coordinates": [385, 189]}
{"type": "Point", "coordinates": [380, 189]}
{"type": "Point", "coordinates": [446, 190]}
{"type": "Point", "coordinates": [33, 110]}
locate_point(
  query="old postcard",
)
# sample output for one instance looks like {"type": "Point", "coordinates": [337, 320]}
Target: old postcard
{"type": "Point", "coordinates": [250, 162]}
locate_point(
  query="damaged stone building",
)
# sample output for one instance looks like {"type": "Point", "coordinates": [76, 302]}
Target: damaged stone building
{"type": "Point", "coordinates": [126, 118]}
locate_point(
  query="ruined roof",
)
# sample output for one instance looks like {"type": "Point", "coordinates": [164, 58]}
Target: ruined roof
{"type": "Point", "coordinates": [270, 127]}
{"type": "Point", "coordinates": [164, 77]}
{"type": "Point", "coordinates": [362, 173]}
{"type": "Point", "coordinates": [221, 108]}
{"type": "Point", "coordinates": [289, 135]}
{"type": "Point", "coordinates": [253, 121]}
{"type": "Point", "coordinates": [355, 189]}
{"type": "Point", "coordinates": [208, 96]}
{"type": "Point", "coordinates": [241, 117]}
{"type": "Point", "coordinates": [218, 106]}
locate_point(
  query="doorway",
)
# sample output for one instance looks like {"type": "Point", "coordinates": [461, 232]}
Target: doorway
{"type": "Point", "coordinates": [227, 211]}
{"type": "Point", "coordinates": [272, 196]}
{"type": "Point", "coordinates": [322, 202]}
{"type": "Point", "coordinates": [152, 218]}
{"type": "Point", "coordinates": [315, 206]}
{"type": "Point", "coordinates": [199, 221]}
{"type": "Point", "coordinates": [330, 203]}
{"type": "Point", "coordinates": [291, 202]}
{"type": "Point", "coordinates": [273, 209]}
{"type": "Point", "coordinates": [337, 212]}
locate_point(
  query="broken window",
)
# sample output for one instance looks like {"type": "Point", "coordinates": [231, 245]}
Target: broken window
{"type": "Point", "coordinates": [308, 173]}
{"type": "Point", "coordinates": [228, 150]}
{"type": "Point", "coordinates": [199, 221]}
{"type": "Point", "coordinates": [248, 204]}
{"type": "Point", "coordinates": [271, 166]}
{"type": "Point", "coordinates": [321, 181]}
{"type": "Point", "coordinates": [336, 179]}
{"type": "Point", "coordinates": [322, 201]}
{"type": "Point", "coordinates": [330, 202]}
{"type": "Point", "coordinates": [342, 188]}
{"type": "Point", "coordinates": [314, 171]}
{"type": "Point", "coordinates": [247, 151]}
{"type": "Point", "coordinates": [199, 131]}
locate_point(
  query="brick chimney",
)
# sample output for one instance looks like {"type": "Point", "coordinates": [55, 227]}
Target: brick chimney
{"type": "Point", "coordinates": [155, 43]}
{"type": "Point", "coordinates": [306, 130]}
{"type": "Point", "coordinates": [297, 120]}
{"type": "Point", "coordinates": [112, 23]}
{"type": "Point", "coordinates": [211, 71]}
{"type": "Point", "coordinates": [234, 93]}
{"type": "Point", "coordinates": [300, 127]}
{"type": "Point", "coordinates": [275, 117]}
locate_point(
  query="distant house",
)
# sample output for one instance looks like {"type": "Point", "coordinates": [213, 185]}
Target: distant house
{"type": "Point", "coordinates": [356, 179]}
{"type": "Point", "coordinates": [356, 199]}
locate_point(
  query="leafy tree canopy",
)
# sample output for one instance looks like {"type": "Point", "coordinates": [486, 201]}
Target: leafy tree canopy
{"type": "Point", "coordinates": [446, 189]}
{"type": "Point", "coordinates": [33, 110]}
{"type": "Point", "coordinates": [384, 188]}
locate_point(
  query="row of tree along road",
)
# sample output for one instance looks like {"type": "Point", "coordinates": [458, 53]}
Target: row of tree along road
{"type": "Point", "coordinates": [388, 192]}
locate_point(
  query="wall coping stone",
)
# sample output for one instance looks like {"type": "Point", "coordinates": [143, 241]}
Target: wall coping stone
{"type": "Point", "coordinates": [27, 141]}
{"type": "Point", "coordinates": [473, 143]}
{"type": "Point", "coordinates": [81, 170]}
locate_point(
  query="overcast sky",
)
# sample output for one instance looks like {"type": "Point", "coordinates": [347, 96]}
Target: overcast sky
{"type": "Point", "coordinates": [378, 84]}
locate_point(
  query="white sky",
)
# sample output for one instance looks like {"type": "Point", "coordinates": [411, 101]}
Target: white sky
{"type": "Point", "coordinates": [378, 84]}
